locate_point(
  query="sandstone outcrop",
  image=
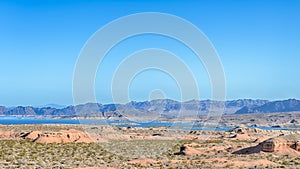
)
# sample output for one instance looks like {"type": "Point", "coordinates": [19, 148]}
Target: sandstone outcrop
{"type": "Point", "coordinates": [62, 136]}
{"type": "Point", "coordinates": [281, 143]}
{"type": "Point", "coordinates": [8, 135]}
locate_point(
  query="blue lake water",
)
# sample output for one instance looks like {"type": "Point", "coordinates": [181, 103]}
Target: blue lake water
{"type": "Point", "coordinates": [9, 120]}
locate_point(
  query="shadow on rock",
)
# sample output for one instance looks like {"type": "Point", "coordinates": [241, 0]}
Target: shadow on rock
{"type": "Point", "coordinates": [249, 150]}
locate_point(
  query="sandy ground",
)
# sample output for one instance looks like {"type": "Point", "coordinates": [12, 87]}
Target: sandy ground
{"type": "Point", "coordinates": [148, 147]}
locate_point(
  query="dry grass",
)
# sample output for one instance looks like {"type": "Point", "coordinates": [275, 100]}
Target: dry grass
{"type": "Point", "coordinates": [20, 153]}
{"type": "Point", "coordinates": [135, 153]}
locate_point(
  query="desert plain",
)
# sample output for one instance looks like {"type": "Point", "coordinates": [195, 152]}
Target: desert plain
{"type": "Point", "coordinates": [106, 146]}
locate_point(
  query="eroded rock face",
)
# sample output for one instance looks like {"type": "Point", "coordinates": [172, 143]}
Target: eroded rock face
{"type": "Point", "coordinates": [31, 135]}
{"type": "Point", "coordinates": [268, 146]}
{"type": "Point", "coordinates": [281, 143]}
{"type": "Point", "coordinates": [8, 135]}
{"type": "Point", "coordinates": [62, 136]}
{"type": "Point", "coordinates": [239, 133]}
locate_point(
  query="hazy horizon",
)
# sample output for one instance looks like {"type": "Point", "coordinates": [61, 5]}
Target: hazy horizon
{"type": "Point", "coordinates": [62, 105]}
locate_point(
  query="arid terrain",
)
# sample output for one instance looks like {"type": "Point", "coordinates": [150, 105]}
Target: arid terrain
{"type": "Point", "coordinates": [79, 146]}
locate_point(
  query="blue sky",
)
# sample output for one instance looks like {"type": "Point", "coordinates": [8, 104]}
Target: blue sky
{"type": "Point", "coordinates": [257, 42]}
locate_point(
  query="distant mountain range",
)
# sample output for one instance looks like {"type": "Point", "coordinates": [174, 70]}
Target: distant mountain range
{"type": "Point", "coordinates": [270, 107]}
{"type": "Point", "coordinates": [164, 107]}
{"type": "Point", "coordinates": [57, 106]}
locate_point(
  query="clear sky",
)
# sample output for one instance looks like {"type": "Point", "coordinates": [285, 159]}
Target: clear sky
{"type": "Point", "coordinates": [258, 43]}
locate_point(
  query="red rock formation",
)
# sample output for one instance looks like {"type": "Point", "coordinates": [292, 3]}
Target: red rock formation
{"type": "Point", "coordinates": [282, 145]}
{"type": "Point", "coordinates": [8, 135]}
{"type": "Point", "coordinates": [62, 136]}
